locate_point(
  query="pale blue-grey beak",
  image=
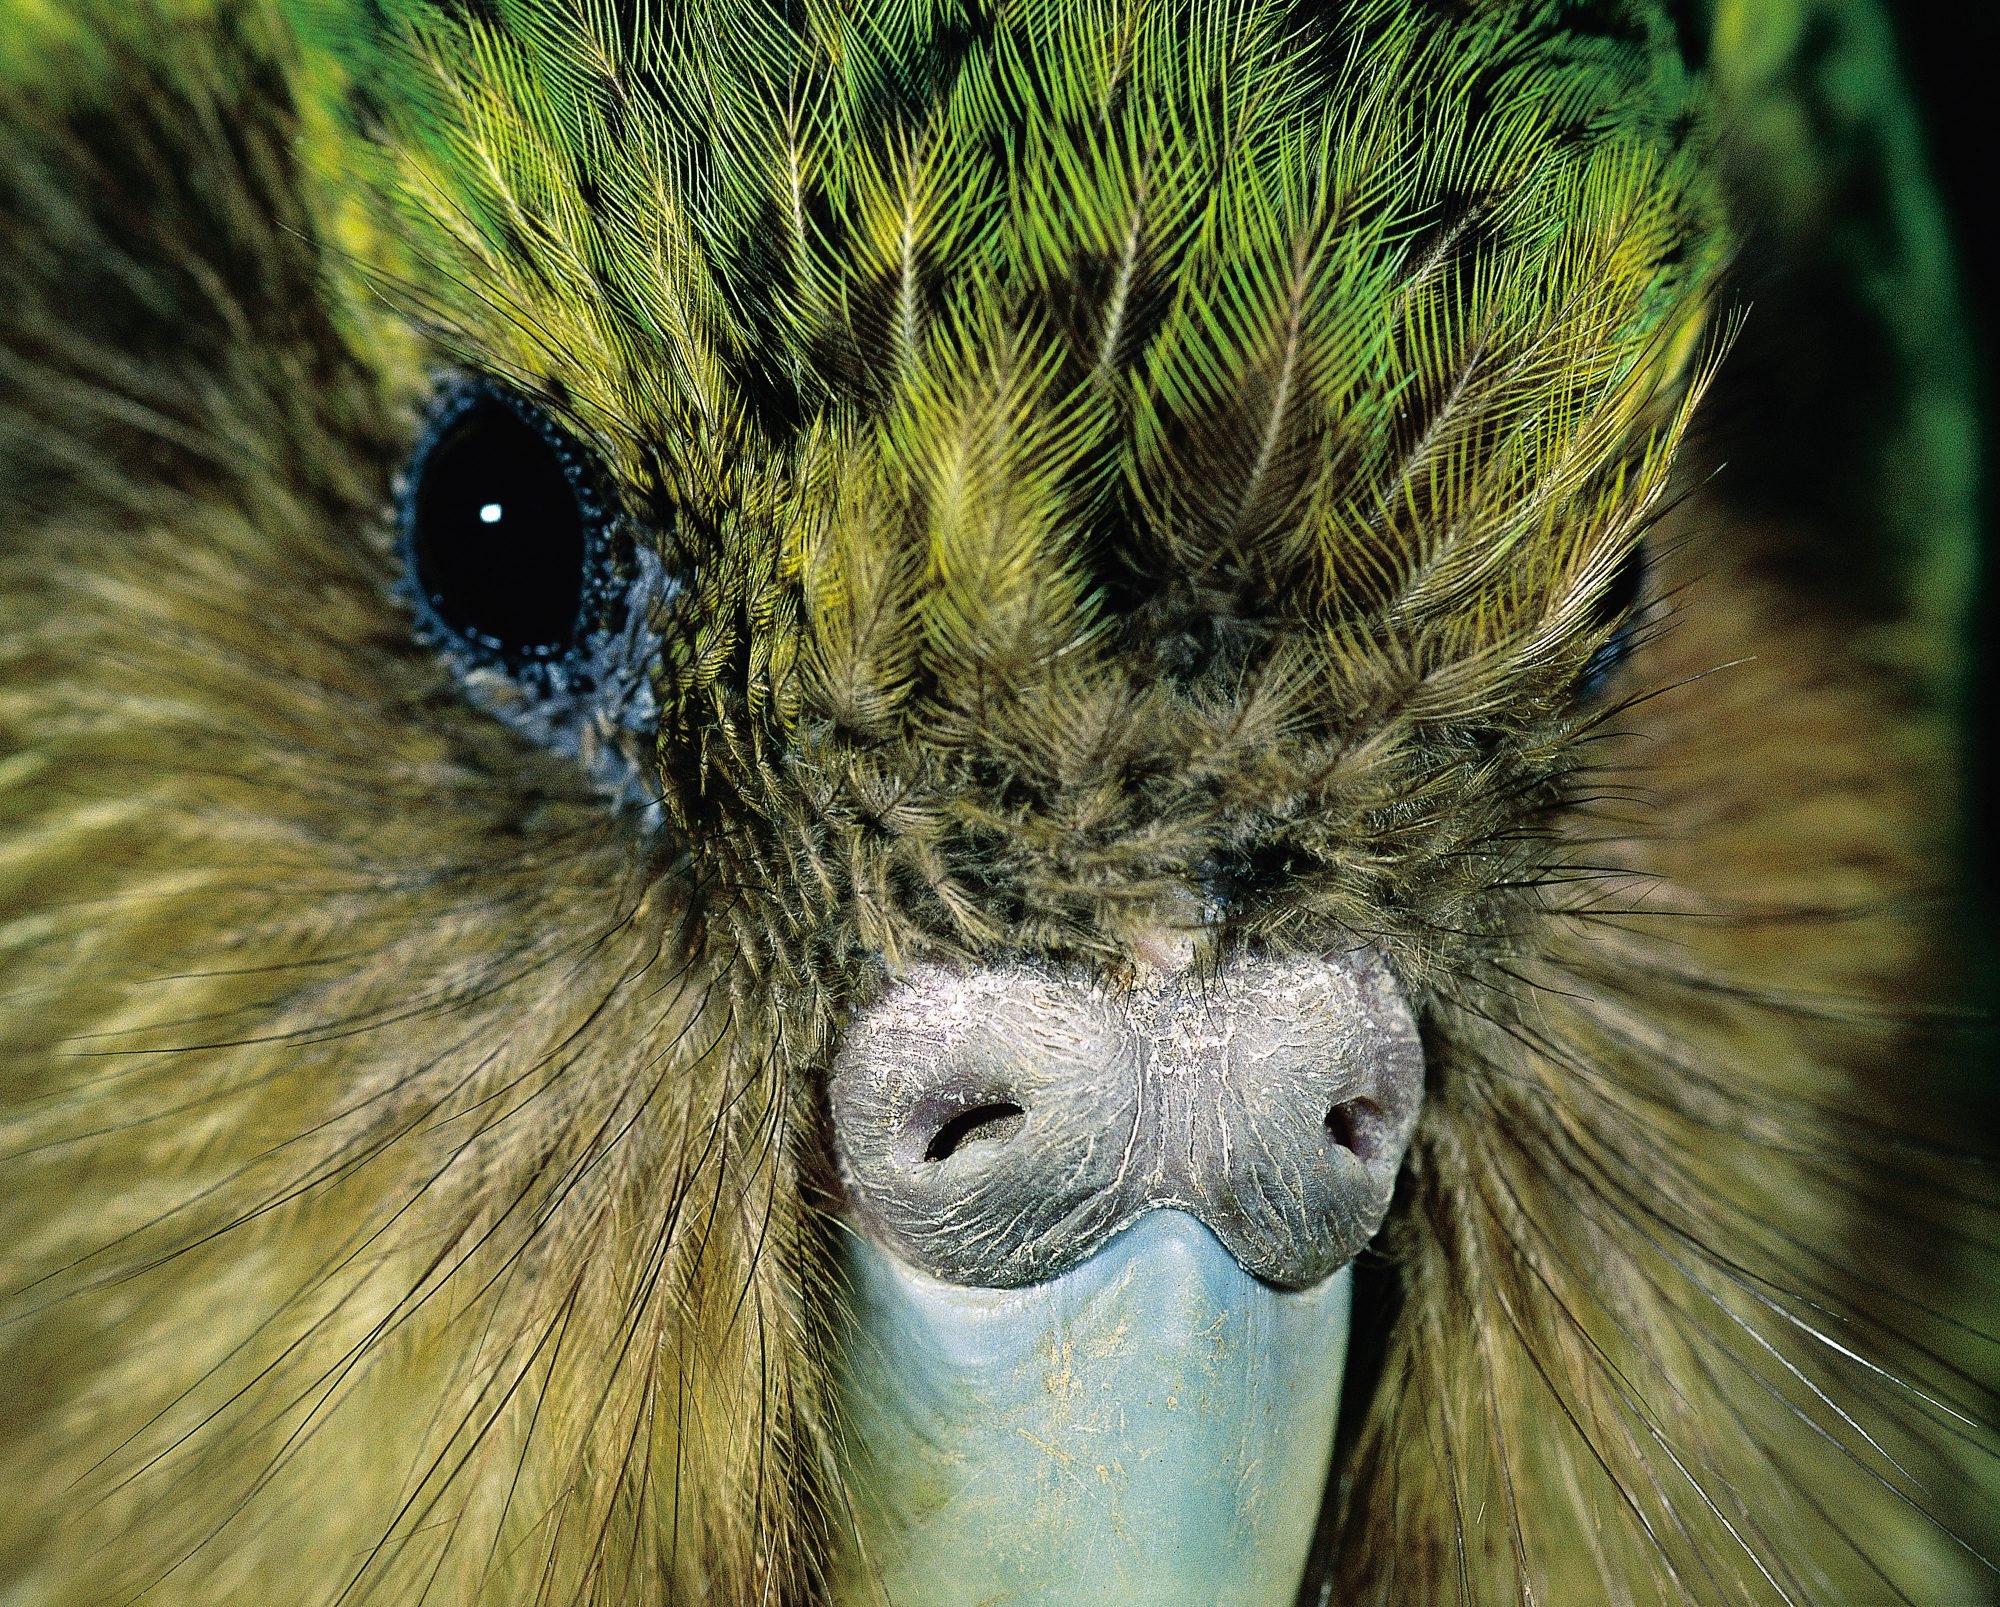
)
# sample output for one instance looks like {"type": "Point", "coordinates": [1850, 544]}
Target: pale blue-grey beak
{"type": "Point", "coordinates": [1151, 1427]}
{"type": "Point", "coordinates": [1097, 1254]}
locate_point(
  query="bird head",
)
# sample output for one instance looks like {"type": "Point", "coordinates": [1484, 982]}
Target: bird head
{"type": "Point", "coordinates": [840, 704]}
{"type": "Point", "coordinates": [1063, 499]}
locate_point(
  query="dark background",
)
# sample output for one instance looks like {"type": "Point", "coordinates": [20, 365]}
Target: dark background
{"type": "Point", "coordinates": [1949, 50]}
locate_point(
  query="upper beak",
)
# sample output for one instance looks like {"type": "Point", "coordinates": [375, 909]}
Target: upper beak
{"type": "Point", "coordinates": [1153, 1426]}
{"type": "Point", "coordinates": [1097, 1262]}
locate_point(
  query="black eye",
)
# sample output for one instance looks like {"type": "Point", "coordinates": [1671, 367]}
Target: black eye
{"type": "Point", "coordinates": [1619, 609]}
{"type": "Point", "coordinates": [500, 517]}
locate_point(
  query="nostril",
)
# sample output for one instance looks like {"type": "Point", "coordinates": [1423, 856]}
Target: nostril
{"type": "Point", "coordinates": [1353, 1125]}
{"type": "Point", "coordinates": [981, 1124]}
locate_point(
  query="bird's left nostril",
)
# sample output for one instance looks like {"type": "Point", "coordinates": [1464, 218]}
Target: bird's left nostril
{"type": "Point", "coordinates": [1353, 1125]}
{"type": "Point", "coordinates": [990, 1123]}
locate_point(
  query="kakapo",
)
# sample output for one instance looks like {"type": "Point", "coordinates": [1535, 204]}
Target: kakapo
{"type": "Point", "coordinates": [767, 766]}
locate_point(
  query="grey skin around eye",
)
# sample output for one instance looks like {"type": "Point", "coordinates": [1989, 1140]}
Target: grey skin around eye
{"type": "Point", "coordinates": [996, 1127]}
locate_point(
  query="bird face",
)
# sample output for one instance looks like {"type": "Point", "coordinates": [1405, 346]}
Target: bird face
{"type": "Point", "coordinates": [818, 743]}
{"type": "Point", "coordinates": [1098, 548]}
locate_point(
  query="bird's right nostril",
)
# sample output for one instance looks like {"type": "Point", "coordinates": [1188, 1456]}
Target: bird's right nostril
{"type": "Point", "coordinates": [988, 1123]}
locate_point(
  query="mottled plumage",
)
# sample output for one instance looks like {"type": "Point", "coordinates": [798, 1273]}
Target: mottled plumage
{"type": "Point", "coordinates": [1096, 459]}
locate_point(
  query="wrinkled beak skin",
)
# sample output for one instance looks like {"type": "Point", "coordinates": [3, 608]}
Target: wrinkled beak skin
{"type": "Point", "coordinates": [1098, 1251]}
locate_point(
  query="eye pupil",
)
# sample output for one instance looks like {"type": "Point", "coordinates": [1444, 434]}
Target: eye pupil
{"type": "Point", "coordinates": [497, 520]}
{"type": "Point", "coordinates": [1617, 608]}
